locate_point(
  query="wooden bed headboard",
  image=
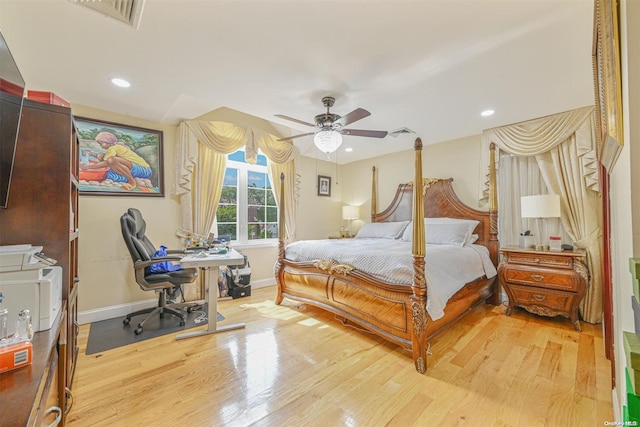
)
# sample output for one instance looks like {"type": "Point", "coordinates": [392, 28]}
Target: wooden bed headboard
{"type": "Point", "coordinates": [440, 200]}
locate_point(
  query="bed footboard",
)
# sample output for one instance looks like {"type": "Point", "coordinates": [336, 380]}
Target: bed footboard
{"type": "Point", "coordinates": [388, 311]}
{"type": "Point", "coordinates": [374, 305]}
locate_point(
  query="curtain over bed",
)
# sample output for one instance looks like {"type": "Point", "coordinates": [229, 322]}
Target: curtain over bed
{"type": "Point", "coordinates": [564, 146]}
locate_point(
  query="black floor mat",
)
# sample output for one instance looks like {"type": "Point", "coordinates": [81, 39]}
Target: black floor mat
{"type": "Point", "coordinates": [111, 333]}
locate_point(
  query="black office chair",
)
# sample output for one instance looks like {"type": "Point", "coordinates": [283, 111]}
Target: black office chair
{"type": "Point", "coordinates": [166, 284]}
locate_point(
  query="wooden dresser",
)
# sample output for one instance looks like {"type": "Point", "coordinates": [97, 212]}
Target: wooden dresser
{"type": "Point", "coordinates": [547, 283]}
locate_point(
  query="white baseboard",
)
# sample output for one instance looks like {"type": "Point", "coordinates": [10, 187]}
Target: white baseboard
{"type": "Point", "coordinates": [121, 310]}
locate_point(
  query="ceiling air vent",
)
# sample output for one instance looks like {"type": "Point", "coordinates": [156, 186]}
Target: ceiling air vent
{"type": "Point", "coordinates": [402, 131]}
{"type": "Point", "coordinates": [127, 11]}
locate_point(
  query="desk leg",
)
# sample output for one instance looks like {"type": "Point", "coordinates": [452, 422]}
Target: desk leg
{"type": "Point", "coordinates": [211, 297]}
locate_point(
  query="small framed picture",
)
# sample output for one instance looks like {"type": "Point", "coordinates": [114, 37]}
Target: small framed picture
{"type": "Point", "coordinates": [324, 185]}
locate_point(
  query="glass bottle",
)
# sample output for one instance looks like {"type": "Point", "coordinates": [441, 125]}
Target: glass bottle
{"type": "Point", "coordinates": [4, 319]}
{"type": "Point", "coordinates": [4, 327]}
{"type": "Point", "coordinates": [24, 329]}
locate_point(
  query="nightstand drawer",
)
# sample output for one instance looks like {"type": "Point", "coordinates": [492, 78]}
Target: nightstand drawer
{"type": "Point", "coordinates": [541, 260]}
{"type": "Point", "coordinates": [556, 301]}
{"type": "Point", "coordinates": [551, 279]}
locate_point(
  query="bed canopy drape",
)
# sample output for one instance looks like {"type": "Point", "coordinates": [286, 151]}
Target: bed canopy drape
{"type": "Point", "coordinates": [564, 147]}
{"type": "Point", "coordinates": [201, 151]}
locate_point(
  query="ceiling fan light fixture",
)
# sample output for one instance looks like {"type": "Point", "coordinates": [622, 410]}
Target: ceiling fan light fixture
{"type": "Point", "coordinates": [327, 141]}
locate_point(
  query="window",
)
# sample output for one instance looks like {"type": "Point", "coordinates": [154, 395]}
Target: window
{"type": "Point", "coordinates": [247, 207]}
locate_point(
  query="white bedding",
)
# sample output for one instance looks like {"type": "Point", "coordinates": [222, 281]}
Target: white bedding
{"type": "Point", "coordinates": [447, 267]}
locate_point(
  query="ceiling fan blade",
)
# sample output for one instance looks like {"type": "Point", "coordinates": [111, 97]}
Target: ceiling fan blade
{"type": "Point", "coordinates": [355, 115]}
{"type": "Point", "coordinates": [369, 133]}
{"type": "Point", "coordinates": [295, 136]}
{"type": "Point", "coordinates": [294, 120]}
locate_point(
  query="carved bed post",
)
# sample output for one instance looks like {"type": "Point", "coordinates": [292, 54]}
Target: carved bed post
{"type": "Point", "coordinates": [282, 235]}
{"type": "Point", "coordinates": [419, 296]}
{"type": "Point", "coordinates": [374, 192]}
{"type": "Point", "coordinates": [493, 219]}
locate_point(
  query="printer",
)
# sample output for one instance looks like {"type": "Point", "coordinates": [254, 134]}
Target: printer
{"type": "Point", "coordinates": [28, 281]}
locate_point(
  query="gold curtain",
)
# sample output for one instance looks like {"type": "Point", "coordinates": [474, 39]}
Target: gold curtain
{"type": "Point", "coordinates": [581, 216]}
{"type": "Point", "coordinates": [564, 146]}
{"type": "Point", "coordinates": [201, 152]}
{"type": "Point", "coordinates": [291, 187]}
{"type": "Point", "coordinates": [208, 178]}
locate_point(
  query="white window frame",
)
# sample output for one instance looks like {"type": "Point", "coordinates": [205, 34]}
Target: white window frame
{"type": "Point", "coordinates": [242, 205]}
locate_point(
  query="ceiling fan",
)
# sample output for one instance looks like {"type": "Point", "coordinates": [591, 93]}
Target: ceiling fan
{"type": "Point", "coordinates": [330, 127]}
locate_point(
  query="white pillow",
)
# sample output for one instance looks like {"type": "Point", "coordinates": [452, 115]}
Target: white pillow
{"type": "Point", "coordinates": [382, 230]}
{"type": "Point", "coordinates": [471, 225]}
{"type": "Point", "coordinates": [408, 232]}
{"type": "Point", "coordinates": [446, 234]}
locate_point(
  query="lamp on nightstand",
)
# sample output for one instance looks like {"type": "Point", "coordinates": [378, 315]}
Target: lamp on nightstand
{"type": "Point", "coordinates": [350, 213]}
{"type": "Point", "coordinates": [539, 207]}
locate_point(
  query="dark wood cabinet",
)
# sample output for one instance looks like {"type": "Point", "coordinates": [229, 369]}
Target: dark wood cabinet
{"type": "Point", "coordinates": [42, 210]}
{"type": "Point", "coordinates": [547, 283]}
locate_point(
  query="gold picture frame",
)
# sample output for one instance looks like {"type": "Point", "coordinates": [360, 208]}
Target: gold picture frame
{"type": "Point", "coordinates": [607, 82]}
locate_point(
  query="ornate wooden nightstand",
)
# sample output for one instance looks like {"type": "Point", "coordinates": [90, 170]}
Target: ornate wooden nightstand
{"type": "Point", "coordinates": [547, 283]}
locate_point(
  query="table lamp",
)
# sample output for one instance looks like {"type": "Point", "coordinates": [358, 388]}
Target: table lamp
{"type": "Point", "coordinates": [350, 213]}
{"type": "Point", "coordinates": [539, 207]}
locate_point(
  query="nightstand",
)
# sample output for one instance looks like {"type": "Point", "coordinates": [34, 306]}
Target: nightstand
{"type": "Point", "coordinates": [547, 283]}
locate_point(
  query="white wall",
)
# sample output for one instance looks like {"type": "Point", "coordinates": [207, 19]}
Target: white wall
{"type": "Point", "coordinates": [105, 267]}
{"type": "Point", "coordinates": [625, 195]}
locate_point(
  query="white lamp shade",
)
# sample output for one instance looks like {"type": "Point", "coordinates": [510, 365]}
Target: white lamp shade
{"type": "Point", "coordinates": [327, 141]}
{"type": "Point", "coordinates": [541, 206]}
{"type": "Point", "coordinates": [350, 212]}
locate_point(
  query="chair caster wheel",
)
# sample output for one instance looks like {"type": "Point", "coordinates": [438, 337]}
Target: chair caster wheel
{"type": "Point", "coordinates": [189, 309]}
{"type": "Point", "coordinates": [182, 323]}
{"type": "Point", "coordinates": [138, 331]}
{"type": "Point", "coordinates": [126, 321]}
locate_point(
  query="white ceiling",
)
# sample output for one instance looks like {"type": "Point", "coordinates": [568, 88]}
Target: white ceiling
{"type": "Point", "coordinates": [430, 66]}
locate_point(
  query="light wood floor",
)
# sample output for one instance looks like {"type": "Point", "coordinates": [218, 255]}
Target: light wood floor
{"type": "Point", "coordinates": [295, 365]}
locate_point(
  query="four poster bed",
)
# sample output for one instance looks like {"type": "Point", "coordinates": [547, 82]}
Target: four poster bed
{"type": "Point", "coordinates": [354, 284]}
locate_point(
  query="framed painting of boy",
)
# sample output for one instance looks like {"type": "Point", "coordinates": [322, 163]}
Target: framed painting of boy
{"type": "Point", "coordinates": [119, 159]}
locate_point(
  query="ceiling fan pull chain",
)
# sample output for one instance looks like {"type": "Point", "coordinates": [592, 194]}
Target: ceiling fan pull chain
{"type": "Point", "coordinates": [337, 168]}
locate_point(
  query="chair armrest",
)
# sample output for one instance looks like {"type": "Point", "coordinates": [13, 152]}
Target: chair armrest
{"type": "Point", "coordinates": [145, 264]}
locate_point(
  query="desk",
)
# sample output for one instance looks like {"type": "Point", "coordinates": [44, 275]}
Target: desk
{"type": "Point", "coordinates": [30, 393]}
{"type": "Point", "coordinates": [205, 264]}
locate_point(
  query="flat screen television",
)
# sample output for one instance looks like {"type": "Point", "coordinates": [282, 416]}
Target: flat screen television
{"type": "Point", "coordinates": [11, 99]}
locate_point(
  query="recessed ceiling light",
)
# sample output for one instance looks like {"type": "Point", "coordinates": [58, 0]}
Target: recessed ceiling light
{"type": "Point", "coordinates": [487, 113]}
{"type": "Point", "coordinates": [348, 149]}
{"type": "Point", "coordinates": [120, 82]}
